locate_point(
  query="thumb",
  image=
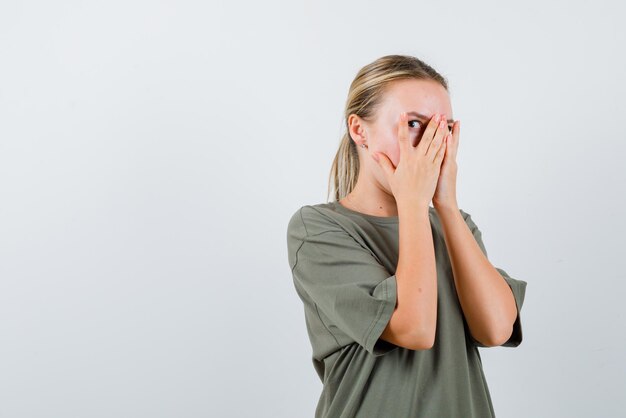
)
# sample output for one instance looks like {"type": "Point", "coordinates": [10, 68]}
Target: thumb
{"type": "Point", "coordinates": [384, 162]}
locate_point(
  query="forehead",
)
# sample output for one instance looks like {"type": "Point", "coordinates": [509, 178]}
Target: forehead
{"type": "Point", "coordinates": [426, 97]}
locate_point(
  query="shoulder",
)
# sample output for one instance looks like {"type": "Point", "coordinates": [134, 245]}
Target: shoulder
{"type": "Point", "coordinates": [314, 223]}
{"type": "Point", "coordinates": [309, 220]}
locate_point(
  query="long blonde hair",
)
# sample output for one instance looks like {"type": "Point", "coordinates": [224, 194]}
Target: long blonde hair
{"type": "Point", "coordinates": [366, 92]}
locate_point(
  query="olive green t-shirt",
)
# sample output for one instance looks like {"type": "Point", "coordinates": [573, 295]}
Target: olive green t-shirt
{"type": "Point", "coordinates": [343, 265]}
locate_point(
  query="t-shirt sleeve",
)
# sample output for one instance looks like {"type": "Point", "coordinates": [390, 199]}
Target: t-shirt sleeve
{"type": "Point", "coordinates": [518, 287]}
{"type": "Point", "coordinates": [354, 292]}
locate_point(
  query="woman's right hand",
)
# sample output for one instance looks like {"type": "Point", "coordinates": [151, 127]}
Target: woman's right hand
{"type": "Point", "coordinates": [414, 180]}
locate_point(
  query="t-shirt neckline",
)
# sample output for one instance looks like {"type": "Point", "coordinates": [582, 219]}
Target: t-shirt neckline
{"type": "Point", "coordinates": [374, 218]}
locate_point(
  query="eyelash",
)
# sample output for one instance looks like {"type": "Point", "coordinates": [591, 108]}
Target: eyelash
{"type": "Point", "coordinates": [415, 120]}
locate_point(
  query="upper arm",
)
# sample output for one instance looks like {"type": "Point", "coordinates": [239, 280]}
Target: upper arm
{"type": "Point", "coordinates": [355, 295]}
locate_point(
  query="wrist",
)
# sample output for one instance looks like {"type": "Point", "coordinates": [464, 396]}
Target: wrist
{"type": "Point", "coordinates": [451, 206]}
{"type": "Point", "coordinates": [412, 206]}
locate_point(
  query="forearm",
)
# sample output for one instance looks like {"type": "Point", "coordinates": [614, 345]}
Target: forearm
{"type": "Point", "coordinates": [485, 297]}
{"type": "Point", "coordinates": [416, 273]}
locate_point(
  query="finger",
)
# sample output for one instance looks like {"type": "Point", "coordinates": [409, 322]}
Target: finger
{"type": "Point", "coordinates": [428, 136]}
{"type": "Point", "coordinates": [403, 133]}
{"type": "Point", "coordinates": [456, 131]}
{"type": "Point", "coordinates": [453, 140]}
{"type": "Point", "coordinates": [442, 129]}
{"type": "Point", "coordinates": [442, 150]}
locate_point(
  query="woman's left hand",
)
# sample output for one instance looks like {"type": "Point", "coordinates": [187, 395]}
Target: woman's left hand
{"type": "Point", "coordinates": [445, 193]}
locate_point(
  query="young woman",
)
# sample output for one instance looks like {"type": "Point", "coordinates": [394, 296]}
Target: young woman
{"type": "Point", "coordinates": [397, 294]}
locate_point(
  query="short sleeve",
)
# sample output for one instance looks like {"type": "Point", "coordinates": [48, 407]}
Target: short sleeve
{"type": "Point", "coordinates": [354, 292]}
{"type": "Point", "coordinates": [518, 287]}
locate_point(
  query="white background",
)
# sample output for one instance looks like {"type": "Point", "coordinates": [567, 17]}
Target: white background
{"type": "Point", "coordinates": [152, 153]}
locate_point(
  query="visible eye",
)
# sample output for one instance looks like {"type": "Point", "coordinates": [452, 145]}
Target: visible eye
{"type": "Point", "coordinates": [415, 120]}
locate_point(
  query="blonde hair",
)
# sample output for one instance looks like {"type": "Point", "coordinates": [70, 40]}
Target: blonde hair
{"type": "Point", "coordinates": [365, 93]}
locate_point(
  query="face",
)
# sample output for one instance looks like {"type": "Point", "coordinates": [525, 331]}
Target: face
{"type": "Point", "coordinates": [425, 97]}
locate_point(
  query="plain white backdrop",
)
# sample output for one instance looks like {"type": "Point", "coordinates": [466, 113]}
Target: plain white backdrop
{"type": "Point", "coordinates": [152, 153]}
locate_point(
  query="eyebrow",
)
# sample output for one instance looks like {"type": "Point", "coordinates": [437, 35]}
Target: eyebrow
{"type": "Point", "coordinates": [419, 115]}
